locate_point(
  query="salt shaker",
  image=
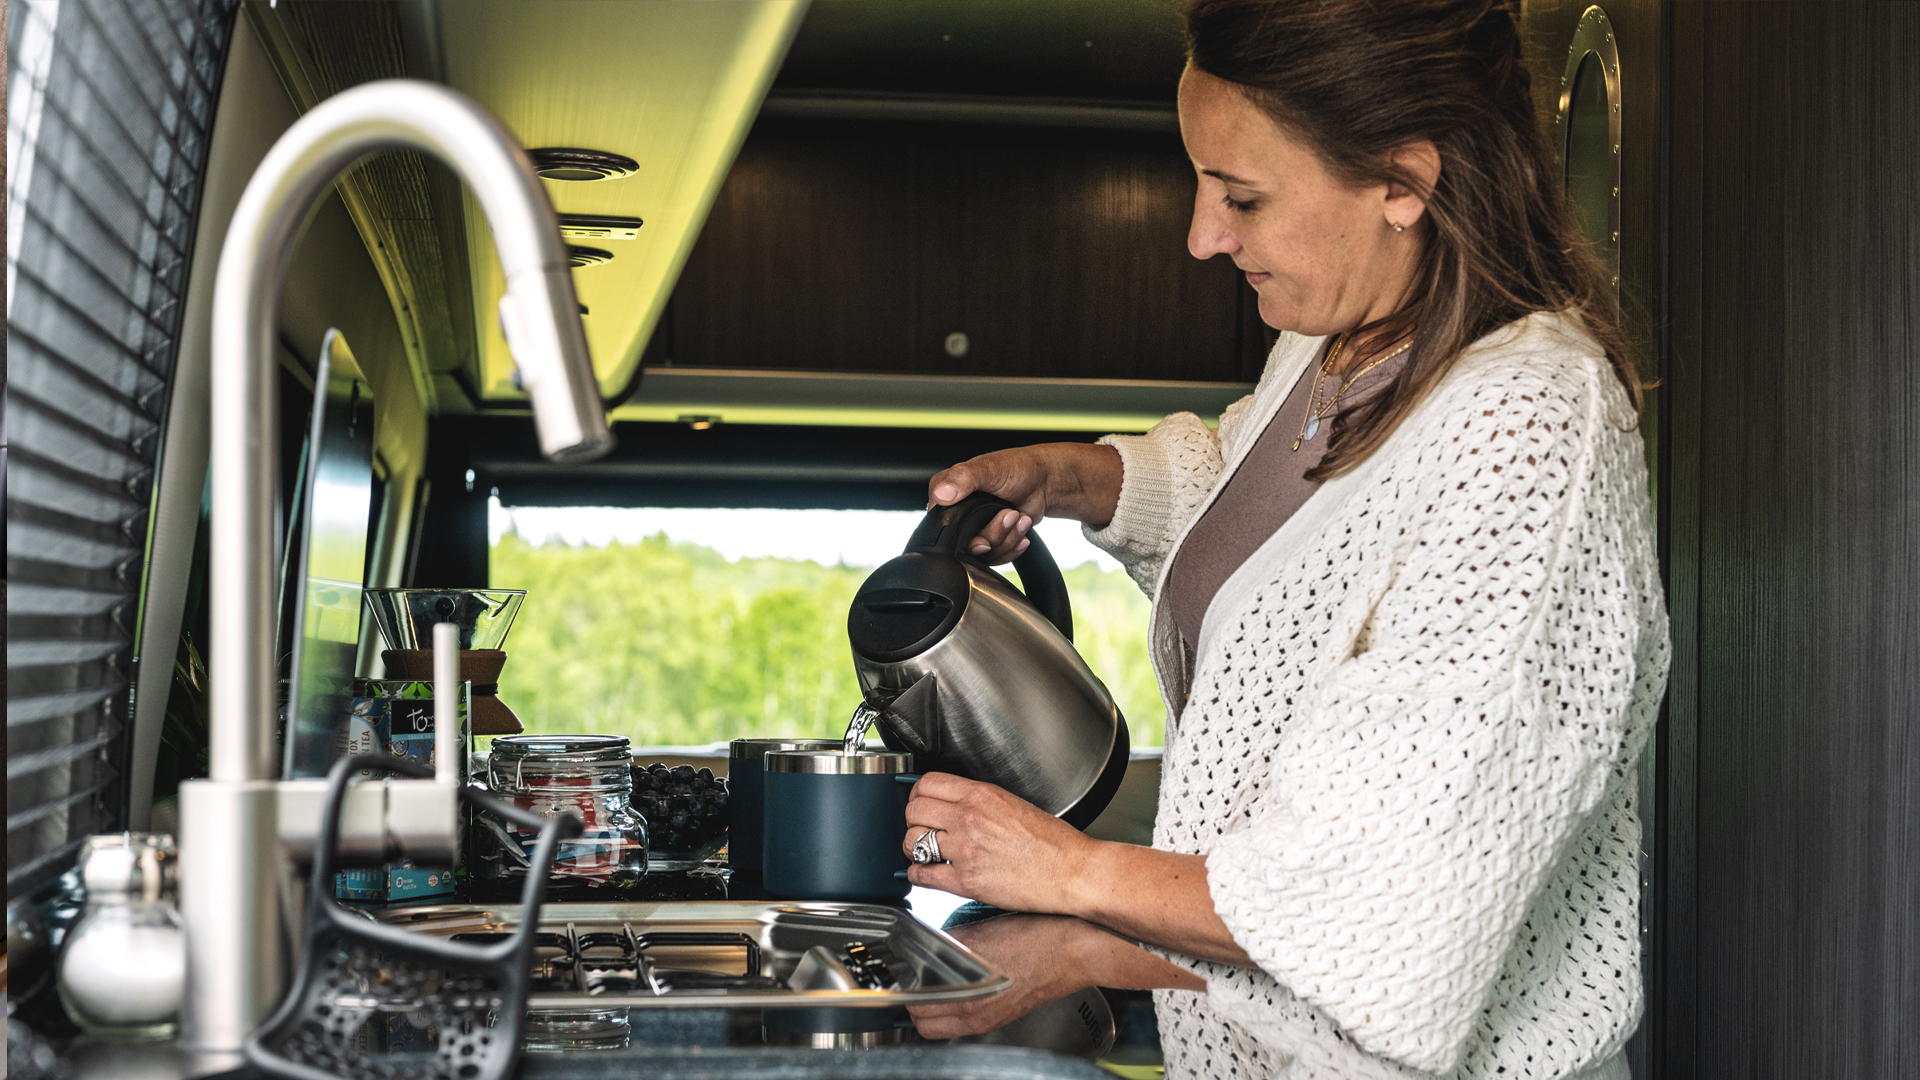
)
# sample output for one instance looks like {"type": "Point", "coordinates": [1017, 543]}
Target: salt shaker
{"type": "Point", "coordinates": [123, 967]}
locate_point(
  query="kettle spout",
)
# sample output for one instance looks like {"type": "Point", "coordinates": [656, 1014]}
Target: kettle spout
{"type": "Point", "coordinates": [910, 719]}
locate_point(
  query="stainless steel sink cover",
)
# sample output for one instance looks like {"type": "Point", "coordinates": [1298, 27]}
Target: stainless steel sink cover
{"type": "Point", "coordinates": [927, 965]}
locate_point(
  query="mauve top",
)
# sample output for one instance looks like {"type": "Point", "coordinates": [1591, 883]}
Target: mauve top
{"type": "Point", "coordinates": [1259, 497]}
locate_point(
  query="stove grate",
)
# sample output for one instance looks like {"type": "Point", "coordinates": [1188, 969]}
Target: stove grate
{"type": "Point", "coordinates": [617, 961]}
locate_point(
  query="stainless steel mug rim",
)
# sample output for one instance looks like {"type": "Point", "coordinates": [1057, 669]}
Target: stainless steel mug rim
{"type": "Point", "coordinates": [755, 749]}
{"type": "Point", "coordinates": [837, 762]}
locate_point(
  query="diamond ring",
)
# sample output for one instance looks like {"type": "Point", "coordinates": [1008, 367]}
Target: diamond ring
{"type": "Point", "coordinates": [926, 848]}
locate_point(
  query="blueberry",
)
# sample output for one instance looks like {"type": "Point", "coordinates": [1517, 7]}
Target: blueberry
{"type": "Point", "coordinates": [683, 773]}
{"type": "Point", "coordinates": [707, 775]}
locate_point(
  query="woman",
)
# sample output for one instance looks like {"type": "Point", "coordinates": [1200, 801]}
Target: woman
{"type": "Point", "coordinates": [1407, 619]}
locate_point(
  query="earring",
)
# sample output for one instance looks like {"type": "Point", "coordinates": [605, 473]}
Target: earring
{"type": "Point", "coordinates": [1397, 227]}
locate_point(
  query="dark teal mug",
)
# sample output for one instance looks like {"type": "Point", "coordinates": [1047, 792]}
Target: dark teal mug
{"type": "Point", "coordinates": [834, 823]}
{"type": "Point", "coordinates": [746, 758]}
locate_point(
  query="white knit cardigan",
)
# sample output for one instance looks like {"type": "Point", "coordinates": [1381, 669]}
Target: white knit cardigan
{"type": "Point", "coordinates": [1406, 743]}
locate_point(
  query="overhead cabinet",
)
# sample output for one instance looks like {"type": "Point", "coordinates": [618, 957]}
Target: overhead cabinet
{"type": "Point", "coordinates": [957, 249]}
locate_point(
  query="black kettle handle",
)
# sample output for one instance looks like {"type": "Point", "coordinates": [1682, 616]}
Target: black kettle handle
{"type": "Point", "coordinates": [946, 529]}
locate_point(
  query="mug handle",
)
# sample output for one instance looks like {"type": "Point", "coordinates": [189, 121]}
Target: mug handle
{"type": "Point", "coordinates": [904, 778]}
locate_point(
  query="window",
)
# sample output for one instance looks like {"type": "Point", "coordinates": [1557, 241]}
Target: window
{"type": "Point", "coordinates": [683, 627]}
{"type": "Point", "coordinates": [109, 107]}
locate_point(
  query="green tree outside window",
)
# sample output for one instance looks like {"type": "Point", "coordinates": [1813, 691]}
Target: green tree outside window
{"type": "Point", "coordinates": [670, 644]}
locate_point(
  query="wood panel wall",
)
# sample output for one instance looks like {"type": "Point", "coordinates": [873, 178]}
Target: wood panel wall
{"type": "Point", "coordinates": [1793, 495]}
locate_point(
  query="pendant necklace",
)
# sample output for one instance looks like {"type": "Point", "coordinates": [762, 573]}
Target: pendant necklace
{"type": "Point", "coordinates": [1318, 410]}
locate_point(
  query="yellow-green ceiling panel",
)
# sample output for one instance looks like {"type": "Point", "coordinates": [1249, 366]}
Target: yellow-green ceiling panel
{"type": "Point", "coordinates": [672, 84]}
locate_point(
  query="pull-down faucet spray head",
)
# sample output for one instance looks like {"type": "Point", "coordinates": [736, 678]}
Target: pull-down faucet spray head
{"type": "Point", "coordinates": [541, 321]}
{"type": "Point", "coordinates": [230, 832]}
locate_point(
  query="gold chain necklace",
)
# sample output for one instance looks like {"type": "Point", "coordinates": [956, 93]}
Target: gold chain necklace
{"type": "Point", "coordinates": [1318, 411]}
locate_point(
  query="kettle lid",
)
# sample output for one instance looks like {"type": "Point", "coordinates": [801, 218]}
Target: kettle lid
{"type": "Point", "coordinates": [906, 606]}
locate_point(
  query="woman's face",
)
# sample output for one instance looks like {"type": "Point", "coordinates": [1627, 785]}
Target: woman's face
{"type": "Point", "coordinates": [1322, 256]}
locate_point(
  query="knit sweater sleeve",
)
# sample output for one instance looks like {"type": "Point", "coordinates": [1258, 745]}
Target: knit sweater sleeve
{"type": "Point", "coordinates": [1167, 474]}
{"type": "Point", "coordinates": [1421, 798]}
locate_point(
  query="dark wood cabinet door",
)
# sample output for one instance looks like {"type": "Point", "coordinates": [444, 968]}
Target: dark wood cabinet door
{"type": "Point", "coordinates": [863, 246]}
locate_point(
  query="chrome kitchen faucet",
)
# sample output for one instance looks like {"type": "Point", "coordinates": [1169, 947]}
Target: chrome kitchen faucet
{"type": "Point", "coordinates": [237, 825]}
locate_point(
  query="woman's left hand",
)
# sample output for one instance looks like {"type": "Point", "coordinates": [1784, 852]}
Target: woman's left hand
{"type": "Point", "coordinates": [999, 848]}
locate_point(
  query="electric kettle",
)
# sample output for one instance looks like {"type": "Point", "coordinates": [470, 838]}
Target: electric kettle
{"type": "Point", "coordinates": [974, 678]}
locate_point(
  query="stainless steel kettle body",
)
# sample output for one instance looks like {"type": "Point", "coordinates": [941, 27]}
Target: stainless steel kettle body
{"type": "Point", "coordinates": [976, 679]}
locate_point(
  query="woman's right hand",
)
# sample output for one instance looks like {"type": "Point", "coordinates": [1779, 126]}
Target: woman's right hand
{"type": "Point", "coordinates": [1071, 480]}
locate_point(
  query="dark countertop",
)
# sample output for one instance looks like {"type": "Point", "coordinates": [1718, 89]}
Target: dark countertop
{"type": "Point", "coordinates": [902, 1063]}
{"type": "Point", "coordinates": [136, 1061]}
{"type": "Point", "coordinates": [670, 1044]}
{"type": "Point", "coordinates": [693, 1044]}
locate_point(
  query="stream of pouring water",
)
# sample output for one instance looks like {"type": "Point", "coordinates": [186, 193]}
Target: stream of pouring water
{"type": "Point", "coordinates": [857, 728]}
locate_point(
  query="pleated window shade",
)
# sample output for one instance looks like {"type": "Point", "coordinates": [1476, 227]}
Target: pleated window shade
{"type": "Point", "coordinates": [109, 108]}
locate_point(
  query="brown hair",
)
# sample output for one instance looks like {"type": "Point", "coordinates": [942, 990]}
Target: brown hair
{"type": "Point", "coordinates": [1357, 79]}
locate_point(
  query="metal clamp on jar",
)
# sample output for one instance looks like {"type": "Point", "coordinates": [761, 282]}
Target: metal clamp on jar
{"type": "Point", "coordinates": [588, 776]}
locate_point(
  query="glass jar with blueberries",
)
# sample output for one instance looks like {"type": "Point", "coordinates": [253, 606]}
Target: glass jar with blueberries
{"type": "Point", "coordinates": [588, 776]}
{"type": "Point", "coordinates": [688, 810]}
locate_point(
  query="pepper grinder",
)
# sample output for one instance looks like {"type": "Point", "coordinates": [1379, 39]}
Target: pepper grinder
{"type": "Point", "coordinates": [124, 966]}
